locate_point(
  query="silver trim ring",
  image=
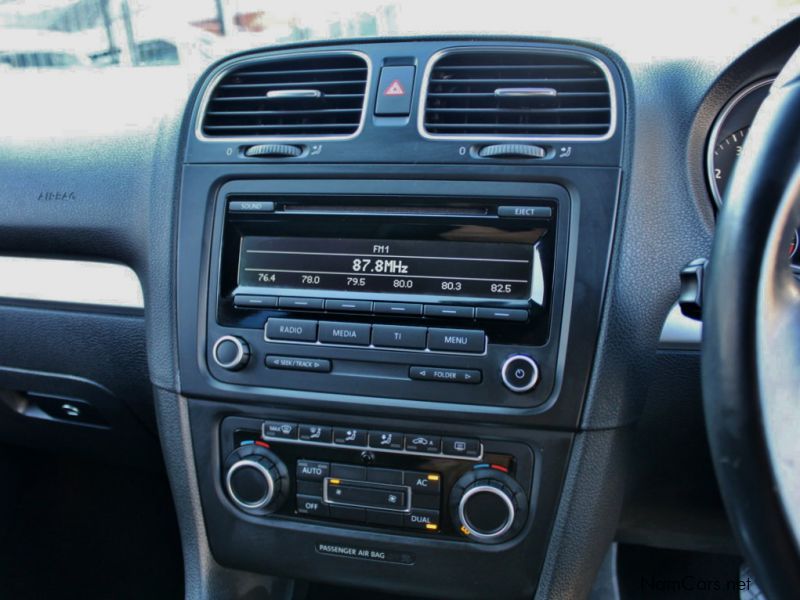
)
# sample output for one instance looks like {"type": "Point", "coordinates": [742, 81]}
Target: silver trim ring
{"type": "Point", "coordinates": [719, 121]}
{"type": "Point", "coordinates": [534, 375]}
{"type": "Point", "coordinates": [267, 476]}
{"type": "Point", "coordinates": [239, 351]}
{"type": "Point", "coordinates": [512, 513]}
{"type": "Point", "coordinates": [431, 63]}
{"type": "Point", "coordinates": [225, 68]}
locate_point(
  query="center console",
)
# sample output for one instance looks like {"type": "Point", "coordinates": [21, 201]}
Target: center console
{"type": "Point", "coordinates": [385, 336]}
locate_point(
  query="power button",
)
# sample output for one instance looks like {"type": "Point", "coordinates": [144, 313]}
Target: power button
{"type": "Point", "coordinates": [520, 373]}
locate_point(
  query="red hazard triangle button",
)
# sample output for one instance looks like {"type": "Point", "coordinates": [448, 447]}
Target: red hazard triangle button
{"type": "Point", "coordinates": [395, 89]}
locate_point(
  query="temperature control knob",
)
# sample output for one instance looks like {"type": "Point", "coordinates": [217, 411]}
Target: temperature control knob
{"type": "Point", "coordinates": [256, 480]}
{"type": "Point", "coordinates": [488, 506]}
{"type": "Point", "coordinates": [231, 352]}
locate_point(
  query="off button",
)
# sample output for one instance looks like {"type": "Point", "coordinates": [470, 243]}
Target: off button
{"type": "Point", "coordinates": [520, 373]}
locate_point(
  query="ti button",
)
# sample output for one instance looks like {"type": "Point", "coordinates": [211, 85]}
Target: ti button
{"type": "Point", "coordinates": [520, 373]}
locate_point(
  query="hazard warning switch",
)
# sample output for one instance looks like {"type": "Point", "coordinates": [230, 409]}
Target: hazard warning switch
{"type": "Point", "coordinates": [395, 89]}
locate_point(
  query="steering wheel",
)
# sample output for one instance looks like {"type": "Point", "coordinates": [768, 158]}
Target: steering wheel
{"type": "Point", "coordinates": [751, 344]}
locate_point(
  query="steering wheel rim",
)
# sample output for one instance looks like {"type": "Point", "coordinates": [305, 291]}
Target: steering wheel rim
{"type": "Point", "coordinates": [751, 344]}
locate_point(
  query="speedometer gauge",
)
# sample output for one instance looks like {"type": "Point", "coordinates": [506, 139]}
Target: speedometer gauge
{"type": "Point", "coordinates": [726, 142]}
{"type": "Point", "coordinates": [729, 133]}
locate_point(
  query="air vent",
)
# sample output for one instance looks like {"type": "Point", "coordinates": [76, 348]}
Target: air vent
{"type": "Point", "coordinates": [497, 94]}
{"type": "Point", "coordinates": [289, 97]}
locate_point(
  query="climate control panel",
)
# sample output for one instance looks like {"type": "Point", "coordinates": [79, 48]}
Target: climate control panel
{"type": "Point", "coordinates": [412, 483]}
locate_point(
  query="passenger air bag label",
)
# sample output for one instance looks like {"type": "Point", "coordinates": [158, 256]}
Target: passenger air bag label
{"type": "Point", "coordinates": [364, 553]}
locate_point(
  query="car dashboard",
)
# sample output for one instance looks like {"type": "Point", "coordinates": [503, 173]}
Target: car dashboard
{"type": "Point", "coordinates": [408, 305]}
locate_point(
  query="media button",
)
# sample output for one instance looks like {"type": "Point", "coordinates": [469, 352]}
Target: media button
{"type": "Point", "coordinates": [298, 363]}
{"type": "Point", "coordinates": [292, 330]}
{"type": "Point", "coordinates": [399, 336]}
{"type": "Point", "coordinates": [311, 505]}
{"type": "Point", "coordinates": [344, 333]}
{"type": "Point", "coordinates": [449, 312]}
{"type": "Point", "coordinates": [254, 301]}
{"type": "Point", "coordinates": [502, 314]}
{"type": "Point", "coordinates": [279, 429]}
{"type": "Point", "coordinates": [386, 440]}
{"type": "Point", "coordinates": [397, 308]}
{"type": "Point", "coordinates": [445, 374]}
{"type": "Point", "coordinates": [459, 340]}
{"type": "Point", "coordinates": [315, 433]}
{"type": "Point", "coordinates": [354, 306]}
{"type": "Point", "coordinates": [417, 442]}
{"type": "Point", "coordinates": [455, 446]}
{"type": "Point", "coordinates": [301, 303]}
{"type": "Point", "coordinates": [349, 436]}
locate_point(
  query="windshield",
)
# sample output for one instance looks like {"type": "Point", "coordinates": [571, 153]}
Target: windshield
{"type": "Point", "coordinates": [83, 34]}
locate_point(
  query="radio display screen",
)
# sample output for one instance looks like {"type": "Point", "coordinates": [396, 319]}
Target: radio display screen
{"type": "Point", "coordinates": [436, 268]}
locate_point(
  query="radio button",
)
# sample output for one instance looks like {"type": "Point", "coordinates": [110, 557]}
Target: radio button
{"type": "Point", "coordinates": [315, 433]}
{"type": "Point", "coordinates": [459, 340]}
{"type": "Point", "coordinates": [449, 312]}
{"type": "Point", "coordinates": [397, 308]}
{"type": "Point", "coordinates": [348, 436]}
{"type": "Point", "coordinates": [344, 333]}
{"type": "Point", "coordinates": [312, 470]}
{"type": "Point", "coordinates": [292, 330]}
{"type": "Point", "coordinates": [386, 440]}
{"type": "Point", "coordinates": [297, 363]}
{"type": "Point", "coordinates": [502, 314]}
{"type": "Point", "coordinates": [301, 303]}
{"type": "Point", "coordinates": [254, 301]}
{"type": "Point", "coordinates": [311, 505]}
{"type": "Point", "coordinates": [429, 444]}
{"type": "Point", "coordinates": [445, 374]}
{"type": "Point", "coordinates": [399, 336]}
{"type": "Point", "coordinates": [355, 306]}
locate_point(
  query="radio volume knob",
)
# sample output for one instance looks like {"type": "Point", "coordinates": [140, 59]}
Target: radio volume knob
{"type": "Point", "coordinates": [231, 352]}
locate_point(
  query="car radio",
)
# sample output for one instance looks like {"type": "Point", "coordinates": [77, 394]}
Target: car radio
{"type": "Point", "coordinates": [405, 291]}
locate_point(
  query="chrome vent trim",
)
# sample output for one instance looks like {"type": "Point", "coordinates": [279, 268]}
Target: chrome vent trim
{"type": "Point", "coordinates": [501, 84]}
{"type": "Point", "coordinates": [225, 70]}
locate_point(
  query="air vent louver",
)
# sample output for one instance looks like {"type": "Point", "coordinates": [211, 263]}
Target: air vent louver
{"type": "Point", "coordinates": [310, 95]}
{"type": "Point", "coordinates": [517, 94]}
